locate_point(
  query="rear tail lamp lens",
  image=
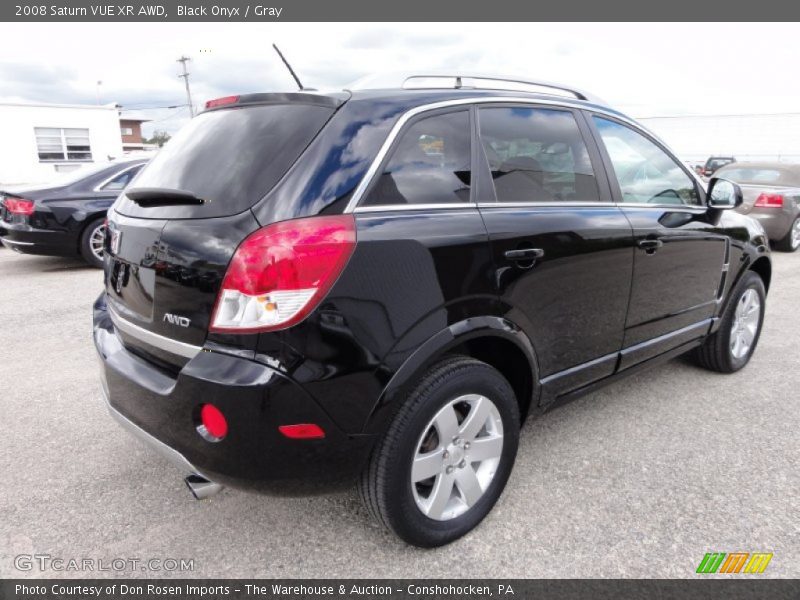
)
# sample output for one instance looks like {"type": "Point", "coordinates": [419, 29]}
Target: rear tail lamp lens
{"type": "Point", "coordinates": [18, 206]}
{"type": "Point", "coordinates": [769, 201]}
{"type": "Point", "coordinates": [213, 425]}
{"type": "Point", "coordinates": [280, 273]}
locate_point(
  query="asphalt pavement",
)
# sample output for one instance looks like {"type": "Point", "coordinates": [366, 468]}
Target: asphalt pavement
{"type": "Point", "coordinates": [640, 479]}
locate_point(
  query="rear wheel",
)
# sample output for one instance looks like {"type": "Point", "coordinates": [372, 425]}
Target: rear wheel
{"type": "Point", "coordinates": [731, 346]}
{"type": "Point", "coordinates": [446, 456]}
{"type": "Point", "coordinates": [791, 241]}
{"type": "Point", "coordinates": [92, 242]}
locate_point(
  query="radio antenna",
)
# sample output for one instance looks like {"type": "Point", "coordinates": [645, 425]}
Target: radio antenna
{"type": "Point", "coordinates": [288, 66]}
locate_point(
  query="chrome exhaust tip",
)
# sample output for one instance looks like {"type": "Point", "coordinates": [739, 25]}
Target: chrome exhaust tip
{"type": "Point", "coordinates": [201, 487]}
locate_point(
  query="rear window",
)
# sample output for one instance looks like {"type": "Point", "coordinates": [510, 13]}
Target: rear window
{"type": "Point", "coordinates": [230, 158]}
{"type": "Point", "coordinates": [759, 175]}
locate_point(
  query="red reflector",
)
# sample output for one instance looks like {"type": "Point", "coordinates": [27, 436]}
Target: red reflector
{"type": "Point", "coordinates": [769, 201]}
{"type": "Point", "coordinates": [214, 421]}
{"type": "Point", "coordinates": [302, 431]}
{"type": "Point", "coordinates": [222, 101]}
{"type": "Point", "coordinates": [281, 272]}
{"type": "Point", "coordinates": [18, 206]}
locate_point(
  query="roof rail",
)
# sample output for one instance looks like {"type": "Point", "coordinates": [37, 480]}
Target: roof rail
{"type": "Point", "coordinates": [436, 79]}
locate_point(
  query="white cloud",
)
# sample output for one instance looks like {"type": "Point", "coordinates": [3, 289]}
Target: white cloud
{"type": "Point", "coordinates": [642, 69]}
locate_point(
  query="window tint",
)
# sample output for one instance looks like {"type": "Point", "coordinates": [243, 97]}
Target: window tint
{"type": "Point", "coordinates": [430, 164]}
{"type": "Point", "coordinates": [230, 158]}
{"type": "Point", "coordinates": [121, 181]}
{"type": "Point", "coordinates": [537, 155]}
{"type": "Point", "coordinates": [646, 174]}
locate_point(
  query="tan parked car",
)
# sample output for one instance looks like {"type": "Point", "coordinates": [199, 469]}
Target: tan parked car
{"type": "Point", "coordinates": [772, 195]}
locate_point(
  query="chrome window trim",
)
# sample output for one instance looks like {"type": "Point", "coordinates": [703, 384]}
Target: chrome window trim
{"type": "Point", "coordinates": [154, 339]}
{"type": "Point", "coordinates": [394, 207]}
{"type": "Point", "coordinates": [99, 186]}
{"type": "Point", "coordinates": [551, 204]}
{"type": "Point", "coordinates": [365, 182]}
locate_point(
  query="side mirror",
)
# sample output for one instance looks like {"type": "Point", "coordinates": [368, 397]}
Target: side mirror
{"type": "Point", "coordinates": [723, 194]}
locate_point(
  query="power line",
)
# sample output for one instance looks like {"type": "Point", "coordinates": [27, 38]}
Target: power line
{"type": "Point", "coordinates": [185, 75]}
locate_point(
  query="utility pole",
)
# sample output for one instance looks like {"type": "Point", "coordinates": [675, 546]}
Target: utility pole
{"type": "Point", "coordinates": [185, 76]}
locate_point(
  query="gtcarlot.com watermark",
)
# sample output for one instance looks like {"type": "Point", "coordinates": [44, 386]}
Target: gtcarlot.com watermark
{"type": "Point", "coordinates": [48, 562]}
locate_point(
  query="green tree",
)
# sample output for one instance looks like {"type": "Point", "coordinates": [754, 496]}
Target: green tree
{"type": "Point", "coordinates": [159, 138]}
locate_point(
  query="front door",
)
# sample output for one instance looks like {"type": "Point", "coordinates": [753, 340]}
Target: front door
{"type": "Point", "coordinates": [679, 257]}
{"type": "Point", "coordinates": [562, 250]}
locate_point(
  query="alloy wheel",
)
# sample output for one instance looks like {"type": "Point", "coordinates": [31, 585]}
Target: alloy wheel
{"type": "Point", "coordinates": [97, 241]}
{"type": "Point", "coordinates": [457, 457]}
{"type": "Point", "coordinates": [745, 323]}
{"type": "Point", "coordinates": [795, 233]}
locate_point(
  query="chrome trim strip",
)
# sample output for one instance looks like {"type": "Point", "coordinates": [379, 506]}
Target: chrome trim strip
{"type": "Point", "coordinates": [168, 452]}
{"type": "Point", "coordinates": [362, 186]}
{"type": "Point", "coordinates": [705, 323]}
{"type": "Point", "coordinates": [8, 241]}
{"type": "Point", "coordinates": [99, 186]}
{"type": "Point", "coordinates": [154, 339]}
{"type": "Point", "coordinates": [545, 204]}
{"type": "Point", "coordinates": [393, 207]}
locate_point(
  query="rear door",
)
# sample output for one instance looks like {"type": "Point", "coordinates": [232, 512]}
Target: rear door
{"type": "Point", "coordinates": [562, 249]}
{"type": "Point", "coordinates": [167, 253]}
{"type": "Point", "coordinates": [680, 257]}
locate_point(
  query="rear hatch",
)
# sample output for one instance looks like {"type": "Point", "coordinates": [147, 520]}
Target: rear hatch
{"type": "Point", "coordinates": [173, 233]}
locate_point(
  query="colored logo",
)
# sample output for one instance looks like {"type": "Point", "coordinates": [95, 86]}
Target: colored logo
{"type": "Point", "coordinates": [734, 562]}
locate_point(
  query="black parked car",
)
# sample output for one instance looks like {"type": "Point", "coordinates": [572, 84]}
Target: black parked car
{"type": "Point", "coordinates": [716, 162]}
{"type": "Point", "coordinates": [66, 217]}
{"type": "Point", "coordinates": [303, 290]}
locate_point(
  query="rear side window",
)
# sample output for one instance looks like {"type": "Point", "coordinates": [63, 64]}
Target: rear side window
{"type": "Point", "coordinates": [537, 155]}
{"type": "Point", "coordinates": [230, 158]}
{"type": "Point", "coordinates": [429, 165]}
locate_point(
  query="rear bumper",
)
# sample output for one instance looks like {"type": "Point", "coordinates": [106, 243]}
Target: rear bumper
{"type": "Point", "coordinates": [163, 411]}
{"type": "Point", "coordinates": [25, 239]}
{"type": "Point", "coordinates": [776, 222]}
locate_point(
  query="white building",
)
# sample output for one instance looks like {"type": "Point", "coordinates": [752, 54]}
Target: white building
{"type": "Point", "coordinates": [42, 140]}
{"type": "Point", "coordinates": [747, 137]}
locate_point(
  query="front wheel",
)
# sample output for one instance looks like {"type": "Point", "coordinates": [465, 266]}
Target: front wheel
{"type": "Point", "coordinates": [447, 455]}
{"type": "Point", "coordinates": [732, 345]}
{"type": "Point", "coordinates": [92, 242]}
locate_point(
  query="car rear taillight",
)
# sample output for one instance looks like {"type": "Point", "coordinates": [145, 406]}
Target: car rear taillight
{"type": "Point", "coordinates": [18, 206]}
{"type": "Point", "coordinates": [765, 200]}
{"type": "Point", "coordinates": [281, 272]}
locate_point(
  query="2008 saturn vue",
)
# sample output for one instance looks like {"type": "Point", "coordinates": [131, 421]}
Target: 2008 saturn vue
{"type": "Point", "coordinates": [378, 286]}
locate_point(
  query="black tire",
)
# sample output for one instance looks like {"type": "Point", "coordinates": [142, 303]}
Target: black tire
{"type": "Point", "coordinates": [788, 243]}
{"type": "Point", "coordinates": [715, 354]}
{"type": "Point", "coordinates": [385, 485]}
{"type": "Point", "coordinates": [86, 243]}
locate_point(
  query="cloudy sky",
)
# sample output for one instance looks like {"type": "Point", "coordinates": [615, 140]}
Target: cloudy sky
{"type": "Point", "coordinates": [644, 70]}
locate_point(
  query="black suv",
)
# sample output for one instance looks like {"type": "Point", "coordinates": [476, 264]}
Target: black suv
{"type": "Point", "coordinates": [305, 290]}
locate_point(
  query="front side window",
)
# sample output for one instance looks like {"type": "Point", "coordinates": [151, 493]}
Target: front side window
{"type": "Point", "coordinates": [429, 165]}
{"type": "Point", "coordinates": [646, 174]}
{"type": "Point", "coordinates": [55, 143]}
{"type": "Point", "coordinates": [537, 155]}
